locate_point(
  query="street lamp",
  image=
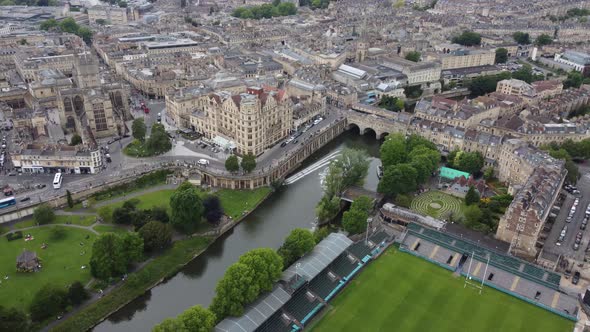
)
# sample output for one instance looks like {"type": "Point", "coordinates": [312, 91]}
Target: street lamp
{"type": "Point", "coordinates": [369, 220]}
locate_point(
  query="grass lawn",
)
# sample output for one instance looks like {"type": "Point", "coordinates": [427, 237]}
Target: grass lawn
{"type": "Point", "coordinates": [165, 265]}
{"type": "Point", "coordinates": [59, 219]}
{"type": "Point", "coordinates": [235, 202]}
{"type": "Point", "coordinates": [136, 149]}
{"type": "Point", "coordinates": [109, 228]}
{"type": "Point", "coordinates": [61, 263]}
{"type": "Point", "coordinates": [403, 293]}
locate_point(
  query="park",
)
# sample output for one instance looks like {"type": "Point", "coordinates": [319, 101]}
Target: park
{"type": "Point", "coordinates": [58, 251]}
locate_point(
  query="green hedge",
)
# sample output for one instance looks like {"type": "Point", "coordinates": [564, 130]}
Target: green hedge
{"type": "Point", "coordinates": [148, 180]}
{"type": "Point", "coordinates": [163, 266]}
{"type": "Point", "coordinates": [14, 236]}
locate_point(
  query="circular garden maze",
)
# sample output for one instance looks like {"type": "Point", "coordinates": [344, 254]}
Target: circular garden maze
{"type": "Point", "coordinates": [438, 205]}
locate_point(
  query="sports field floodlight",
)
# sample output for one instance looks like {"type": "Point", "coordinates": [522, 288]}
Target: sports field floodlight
{"type": "Point", "coordinates": [369, 220]}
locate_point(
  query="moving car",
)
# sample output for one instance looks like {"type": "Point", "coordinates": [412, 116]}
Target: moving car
{"type": "Point", "coordinates": [576, 278]}
{"type": "Point", "coordinates": [24, 199]}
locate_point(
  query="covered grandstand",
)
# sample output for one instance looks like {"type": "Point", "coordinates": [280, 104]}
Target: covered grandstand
{"type": "Point", "coordinates": [505, 273]}
{"type": "Point", "coordinates": [307, 285]}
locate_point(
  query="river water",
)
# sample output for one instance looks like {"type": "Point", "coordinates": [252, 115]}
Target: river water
{"type": "Point", "coordinates": [291, 207]}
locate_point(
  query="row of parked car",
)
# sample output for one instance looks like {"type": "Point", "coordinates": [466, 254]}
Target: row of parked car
{"type": "Point", "coordinates": [571, 189]}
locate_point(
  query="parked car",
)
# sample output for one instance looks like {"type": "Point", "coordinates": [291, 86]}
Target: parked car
{"type": "Point", "coordinates": [40, 186]}
{"type": "Point", "coordinates": [24, 199]}
{"type": "Point", "coordinates": [283, 144]}
{"type": "Point", "coordinates": [576, 278]}
{"type": "Point", "coordinates": [203, 162]}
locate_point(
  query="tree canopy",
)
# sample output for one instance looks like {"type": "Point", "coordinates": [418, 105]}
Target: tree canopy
{"type": "Point", "coordinates": [470, 162]}
{"type": "Point", "coordinates": [158, 142]}
{"type": "Point", "coordinates": [76, 140]}
{"type": "Point", "coordinates": [156, 235]}
{"type": "Point", "coordinates": [194, 319]}
{"type": "Point", "coordinates": [43, 214]}
{"type": "Point", "coordinates": [389, 103]}
{"type": "Point", "coordinates": [354, 220]}
{"type": "Point", "coordinates": [467, 38]}
{"type": "Point", "coordinates": [265, 11]}
{"type": "Point", "coordinates": [298, 243]}
{"type": "Point", "coordinates": [48, 301]}
{"type": "Point", "coordinates": [472, 196]}
{"type": "Point", "coordinates": [112, 254]}
{"type": "Point", "coordinates": [231, 164]}
{"type": "Point", "coordinates": [12, 319]}
{"type": "Point", "coordinates": [248, 163]}
{"type": "Point", "coordinates": [413, 56]}
{"type": "Point", "coordinates": [212, 209]}
{"type": "Point", "coordinates": [501, 55]}
{"type": "Point", "coordinates": [521, 38]}
{"type": "Point", "coordinates": [543, 39]}
{"type": "Point", "coordinates": [187, 207]}
{"type": "Point", "coordinates": [138, 128]}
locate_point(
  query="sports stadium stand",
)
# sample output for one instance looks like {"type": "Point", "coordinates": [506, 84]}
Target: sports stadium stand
{"type": "Point", "coordinates": [506, 273]}
{"type": "Point", "coordinates": [307, 285]}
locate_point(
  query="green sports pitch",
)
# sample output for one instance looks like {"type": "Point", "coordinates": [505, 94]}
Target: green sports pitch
{"type": "Point", "coordinates": [403, 293]}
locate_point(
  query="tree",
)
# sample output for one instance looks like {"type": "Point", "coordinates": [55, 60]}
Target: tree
{"type": "Point", "coordinates": [101, 21]}
{"type": "Point", "coordinates": [468, 38]}
{"type": "Point", "coordinates": [131, 248]}
{"type": "Point", "coordinates": [159, 213]}
{"type": "Point", "coordinates": [170, 325]}
{"type": "Point", "coordinates": [122, 4]}
{"type": "Point", "coordinates": [248, 163]}
{"type": "Point", "coordinates": [197, 319]}
{"type": "Point", "coordinates": [49, 24]}
{"type": "Point", "coordinates": [521, 38]}
{"type": "Point", "coordinates": [187, 207]}
{"type": "Point", "coordinates": [389, 103]}
{"type": "Point", "coordinates": [320, 233]}
{"type": "Point", "coordinates": [236, 289]}
{"type": "Point", "coordinates": [573, 173]}
{"type": "Point", "coordinates": [138, 129]}
{"type": "Point", "coordinates": [12, 319]}
{"type": "Point", "coordinates": [574, 80]}
{"type": "Point", "coordinates": [106, 214]}
{"type": "Point", "coordinates": [212, 209]}
{"type": "Point", "coordinates": [354, 220]}
{"type": "Point", "coordinates": [44, 214]}
{"type": "Point", "coordinates": [472, 215]}
{"type": "Point", "coordinates": [85, 34]}
{"type": "Point", "coordinates": [482, 85]}
{"type": "Point", "coordinates": [501, 55]}
{"type": "Point", "coordinates": [77, 293]}
{"type": "Point", "coordinates": [524, 74]}
{"type": "Point", "coordinates": [470, 162]}
{"type": "Point", "coordinates": [69, 25]}
{"type": "Point", "coordinates": [393, 150]}
{"type": "Point", "coordinates": [155, 235]}
{"type": "Point", "coordinates": [472, 196]}
{"type": "Point", "coordinates": [158, 142]}
{"type": "Point", "coordinates": [231, 164]}
{"type": "Point", "coordinates": [353, 165]}
{"type": "Point", "coordinates": [48, 301]}
{"type": "Point", "coordinates": [413, 56]}
{"type": "Point", "coordinates": [76, 139]}
{"type": "Point", "coordinates": [543, 39]}
{"type": "Point", "coordinates": [69, 199]}
{"type": "Point", "coordinates": [123, 216]}
{"type": "Point", "coordinates": [398, 179]}
{"type": "Point", "coordinates": [488, 174]}
{"type": "Point", "coordinates": [298, 243]}
{"type": "Point", "coordinates": [328, 208]}
{"type": "Point", "coordinates": [266, 264]}
{"type": "Point", "coordinates": [107, 259]}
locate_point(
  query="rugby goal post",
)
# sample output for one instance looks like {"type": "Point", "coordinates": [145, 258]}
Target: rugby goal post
{"type": "Point", "coordinates": [468, 279]}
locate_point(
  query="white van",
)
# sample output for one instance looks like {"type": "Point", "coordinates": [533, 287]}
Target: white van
{"type": "Point", "coordinates": [203, 162]}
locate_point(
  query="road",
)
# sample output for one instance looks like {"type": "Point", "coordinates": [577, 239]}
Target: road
{"type": "Point", "coordinates": [183, 151]}
{"type": "Point", "coordinates": [566, 248]}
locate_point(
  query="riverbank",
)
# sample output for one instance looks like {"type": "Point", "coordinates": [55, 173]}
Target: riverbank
{"type": "Point", "coordinates": [155, 272]}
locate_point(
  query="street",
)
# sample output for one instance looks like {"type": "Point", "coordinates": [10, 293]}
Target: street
{"type": "Point", "coordinates": [566, 248]}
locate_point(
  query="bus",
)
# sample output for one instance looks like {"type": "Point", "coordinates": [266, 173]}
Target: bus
{"type": "Point", "coordinates": [6, 202]}
{"type": "Point", "coordinates": [57, 181]}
